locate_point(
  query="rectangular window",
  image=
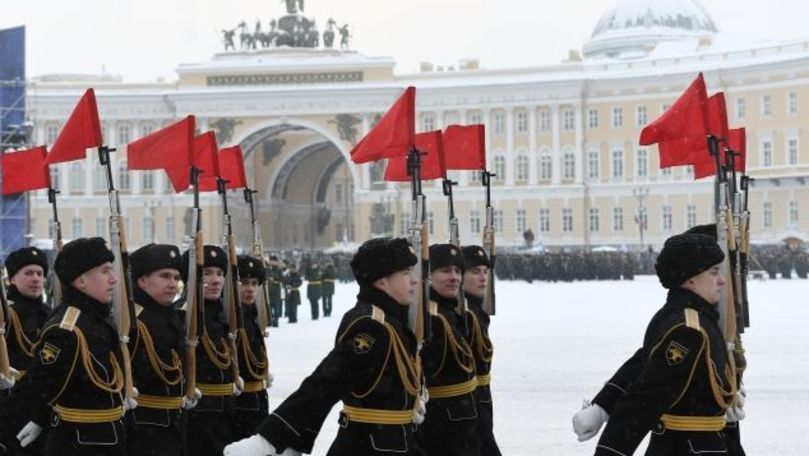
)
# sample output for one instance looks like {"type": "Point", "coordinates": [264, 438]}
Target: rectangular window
{"type": "Point", "coordinates": [592, 119]}
{"type": "Point", "coordinates": [593, 219]}
{"type": "Point", "coordinates": [766, 105]}
{"type": "Point", "coordinates": [569, 165]}
{"type": "Point", "coordinates": [567, 220]}
{"type": "Point", "coordinates": [617, 117]}
{"type": "Point", "coordinates": [568, 120]}
{"type": "Point", "coordinates": [147, 229]}
{"type": "Point", "coordinates": [545, 166]}
{"type": "Point", "coordinates": [617, 219]}
{"type": "Point", "coordinates": [544, 121]}
{"type": "Point", "coordinates": [77, 227]}
{"type": "Point", "coordinates": [691, 215]}
{"type": "Point", "coordinates": [792, 103]}
{"type": "Point", "coordinates": [642, 118]}
{"type": "Point", "coordinates": [767, 219]}
{"type": "Point", "coordinates": [793, 212]}
{"type": "Point", "coordinates": [499, 123]}
{"type": "Point", "coordinates": [475, 119]}
{"type": "Point", "coordinates": [643, 163]}
{"type": "Point", "coordinates": [593, 164]}
{"type": "Point", "coordinates": [522, 168]}
{"type": "Point", "coordinates": [617, 164]}
{"type": "Point", "coordinates": [741, 108]}
{"type": "Point", "coordinates": [792, 151]}
{"type": "Point", "coordinates": [147, 181]}
{"type": "Point", "coordinates": [124, 134]}
{"type": "Point", "coordinates": [497, 221]}
{"type": "Point", "coordinates": [76, 177]}
{"type": "Point", "coordinates": [427, 123]}
{"type": "Point", "coordinates": [545, 220]}
{"type": "Point", "coordinates": [522, 122]}
{"type": "Point", "coordinates": [667, 218]}
{"type": "Point", "coordinates": [520, 221]}
{"type": "Point", "coordinates": [51, 133]}
{"type": "Point", "coordinates": [766, 153]}
{"type": "Point", "coordinates": [474, 221]}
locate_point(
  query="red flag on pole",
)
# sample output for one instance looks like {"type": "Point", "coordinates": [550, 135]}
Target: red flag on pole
{"type": "Point", "coordinates": [25, 170]}
{"type": "Point", "coordinates": [688, 116]}
{"type": "Point", "coordinates": [737, 143]}
{"type": "Point", "coordinates": [393, 135]}
{"type": "Point", "coordinates": [465, 147]}
{"type": "Point", "coordinates": [81, 132]}
{"type": "Point", "coordinates": [432, 162]}
{"type": "Point", "coordinates": [231, 167]}
{"type": "Point", "coordinates": [690, 150]}
{"type": "Point", "coordinates": [204, 158]}
{"type": "Point", "coordinates": [169, 147]}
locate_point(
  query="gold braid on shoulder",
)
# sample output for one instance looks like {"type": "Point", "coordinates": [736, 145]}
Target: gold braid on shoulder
{"type": "Point", "coordinates": [461, 351]}
{"type": "Point", "coordinates": [112, 386]}
{"type": "Point", "coordinates": [15, 327]}
{"type": "Point", "coordinates": [160, 368]}
{"type": "Point", "coordinates": [255, 366]}
{"type": "Point", "coordinates": [220, 358]}
{"type": "Point", "coordinates": [483, 345]}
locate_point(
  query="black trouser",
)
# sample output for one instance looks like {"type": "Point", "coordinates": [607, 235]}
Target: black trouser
{"type": "Point", "coordinates": [488, 444]}
{"type": "Point", "coordinates": [676, 443]}
{"type": "Point", "coordinates": [293, 300]}
{"type": "Point", "coordinates": [154, 439]}
{"type": "Point", "coordinates": [439, 435]}
{"type": "Point", "coordinates": [208, 432]}
{"type": "Point", "coordinates": [327, 305]}
{"type": "Point", "coordinates": [250, 410]}
{"type": "Point", "coordinates": [275, 310]}
{"type": "Point", "coordinates": [68, 439]}
{"type": "Point", "coordinates": [354, 439]}
{"type": "Point", "coordinates": [313, 304]}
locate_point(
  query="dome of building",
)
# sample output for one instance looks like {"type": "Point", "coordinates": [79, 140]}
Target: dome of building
{"type": "Point", "coordinates": [633, 28]}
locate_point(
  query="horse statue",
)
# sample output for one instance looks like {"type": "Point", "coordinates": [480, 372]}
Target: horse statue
{"type": "Point", "coordinates": [227, 37]}
{"type": "Point", "coordinates": [328, 34]}
{"type": "Point", "coordinates": [245, 37]}
{"type": "Point", "coordinates": [344, 36]}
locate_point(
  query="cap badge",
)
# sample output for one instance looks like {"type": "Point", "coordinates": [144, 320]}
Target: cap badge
{"type": "Point", "coordinates": [34, 253]}
{"type": "Point", "coordinates": [452, 252]}
{"type": "Point", "coordinates": [213, 253]}
{"type": "Point", "coordinates": [172, 254]}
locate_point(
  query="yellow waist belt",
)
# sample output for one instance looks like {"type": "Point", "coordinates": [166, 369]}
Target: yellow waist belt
{"type": "Point", "coordinates": [484, 380]}
{"type": "Point", "coordinates": [216, 389]}
{"type": "Point", "coordinates": [693, 423]}
{"type": "Point", "coordinates": [458, 389]}
{"type": "Point", "coordinates": [328, 280]}
{"type": "Point", "coordinates": [160, 402]}
{"type": "Point", "coordinates": [89, 416]}
{"type": "Point", "coordinates": [316, 282]}
{"type": "Point", "coordinates": [378, 416]}
{"type": "Point", "coordinates": [254, 387]}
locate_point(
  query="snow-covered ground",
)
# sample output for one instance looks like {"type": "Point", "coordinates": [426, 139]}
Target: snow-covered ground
{"type": "Point", "coordinates": [555, 344]}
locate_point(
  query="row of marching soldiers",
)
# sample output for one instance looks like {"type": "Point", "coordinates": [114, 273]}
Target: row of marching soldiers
{"type": "Point", "coordinates": [64, 392]}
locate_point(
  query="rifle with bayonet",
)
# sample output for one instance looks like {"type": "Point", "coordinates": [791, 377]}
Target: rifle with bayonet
{"type": "Point", "coordinates": [263, 298]}
{"type": "Point", "coordinates": [123, 305]}
{"type": "Point", "coordinates": [454, 239]}
{"type": "Point", "coordinates": [193, 290]}
{"type": "Point", "coordinates": [56, 226]}
{"type": "Point", "coordinates": [418, 314]}
{"type": "Point", "coordinates": [488, 244]}
{"type": "Point", "coordinates": [5, 365]}
{"type": "Point", "coordinates": [232, 308]}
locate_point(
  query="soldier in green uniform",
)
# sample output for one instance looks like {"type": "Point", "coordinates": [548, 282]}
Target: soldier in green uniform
{"type": "Point", "coordinates": [313, 288]}
{"type": "Point", "coordinates": [329, 276]}
{"type": "Point", "coordinates": [275, 278]}
{"type": "Point", "coordinates": [73, 385]}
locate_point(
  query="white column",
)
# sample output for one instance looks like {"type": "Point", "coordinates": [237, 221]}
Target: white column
{"type": "Point", "coordinates": [556, 152]}
{"type": "Point", "coordinates": [510, 171]}
{"type": "Point", "coordinates": [533, 178]}
{"type": "Point", "coordinates": [579, 145]}
{"type": "Point", "coordinates": [487, 136]}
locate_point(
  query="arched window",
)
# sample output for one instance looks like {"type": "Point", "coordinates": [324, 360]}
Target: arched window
{"type": "Point", "coordinates": [76, 180]}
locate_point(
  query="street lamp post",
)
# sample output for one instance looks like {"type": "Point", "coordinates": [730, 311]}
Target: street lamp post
{"type": "Point", "coordinates": [640, 194]}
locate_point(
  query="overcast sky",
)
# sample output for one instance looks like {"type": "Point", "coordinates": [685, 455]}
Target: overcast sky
{"type": "Point", "coordinates": [144, 39]}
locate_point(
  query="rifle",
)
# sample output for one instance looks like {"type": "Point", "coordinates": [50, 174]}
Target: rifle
{"type": "Point", "coordinates": [417, 318]}
{"type": "Point", "coordinates": [488, 244]}
{"type": "Point", "coordinates": [744, 245]}
{"type": "Point", "coordinates": [734, 246]}
{"type": "Point", "coordinates": [230, 304]}
{"type": "Point", "coordinates": [193, 290]}
{"type": "Point", "coordinates": [123, 306]}
{"type": "Point", "coordinates": [454, 239]}
{"type": "Point", "coordinates": [263, 298]}
{"type": "Point", "coordinates": [5, 365]}
{"type": "Point", "coordinates": [56, 287]}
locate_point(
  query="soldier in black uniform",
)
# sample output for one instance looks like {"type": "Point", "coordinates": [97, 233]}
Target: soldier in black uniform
{"type": "Point", "coordinates": [475, 278]}
{"type": "Point", "coordinates": [679, 384]}
{"type": "Point", "coordinates": [450, 427]}
{"type": "Point", "coordinates": [371, 369]}
{"type": "Point", "coordinates": [313, 288]}
{"type": "Point", "coordinates": [27, 268]}
{"type": "Point", "coordinates": [210, 423]}
{"type": "Point", "coordinates": [73, 386]}
{"type": "Point", "coordinates": [154, 428]}
{"type": "Point", "coordinates": [275, 276]}
{"type": "Point", "coordinates": [251, 407]}
{"type": "Point", "coordinates": [292, 284]}
{"type": "Point", "coordinates": [328, 288]}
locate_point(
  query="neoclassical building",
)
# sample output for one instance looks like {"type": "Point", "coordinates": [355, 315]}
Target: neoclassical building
{"type": "Point", "coordinates": [562, 139]}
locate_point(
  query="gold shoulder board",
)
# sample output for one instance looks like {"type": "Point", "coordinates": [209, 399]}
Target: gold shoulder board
{"type": "Point", "coordinates": [378, 315]}
{"type": "Point", "coordinates": [692, 318]}
{"type": "Point", "coordinates": [69, 319]}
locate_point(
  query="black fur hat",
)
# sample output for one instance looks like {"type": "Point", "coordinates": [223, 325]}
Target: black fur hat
{"type": "Point", "coordinates": [442, 255]}
{"type": "Point", "coordinates": [707, 229]}
{"type": "Point", "coordinates": [474, 256]}
{"type": "Point", "coordinates": [686, 255]}
{"type": "Point", "coordinates": [214, 257]}
{"type": "Point", "coordinates": [381, 257]}
{"type": "Point", "coordinates": [153, 257]}
{"type": "Point", "coordinates": [21, 258]}
{"type": "Point", "coordinates": [79, 256]}
{"type": "Point", "coordinates": [251, 268]}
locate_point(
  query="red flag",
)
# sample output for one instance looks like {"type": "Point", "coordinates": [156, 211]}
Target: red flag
{"type": "Point", "coordinates": [465, 147]}
{"type": "Point", "coordinates": [718, 116]}
{"type": "Point", "coordinates": [231, 167]}
{"type": "Point", "coordinates": [204, 158]}
{"type": "Point", "coordinates": [737, 143]}
{"type": "Point", "coordinates": [393, 135]}
{"type": "Point", "coordinates": [169, 147]}
{"type": "Point", "coordinates": [432, 162]}
{"type": "Point", "coordinates": [691, 150]}
{"type": "Point", "coordinates": [81, 132]}
{"type": "Point", "coordinates": [25, 170]}
{"type": "Point", "coordinates": [686, 117]}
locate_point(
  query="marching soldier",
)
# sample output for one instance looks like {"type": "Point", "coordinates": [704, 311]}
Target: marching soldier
{"type": "Point", "coordinates": [475, 277]}
{"type": "Point", "coordinates": [154, 428]}
{"type": "Point", "coordinates": [450, 427]}
{"type": "Point", "coordinates": [328, 288]}
{"type": "Point", "coordinates": [251, 407]}
{"type": "Point", "coordinates": [680, 383]}
{"type": "Point", "coordinates": [209, 424]}
{"type": "Point", "coordinates": [292, 283]}
{"type": "Point", "coordinates": [275, 276]}
{"type": "Point", "coordinates": [27, 268]}
{"type": "Point", "coordinates": [74, 383]}
{"type": "Point", "coordinates": [371, 369]}
{"type": "Point", "coordinates": [313, 288]}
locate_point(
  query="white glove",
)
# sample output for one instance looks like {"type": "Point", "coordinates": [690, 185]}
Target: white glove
{"type": "Point", "coordinates": [256, 445]}
{"type": "Point", "coordinates": [270, 379]}
{"type": "Point", "coordinates": [188, 404]}
{"type": "Point", "coordinates": [8, 382]}
{"type": "Point", "coordinates": [421, 406]}
{"type": "Point", "coordinates": [29, 433]}
{"type": "Point", "coordinates": [588, 421]}
{"type": "Point", "coordinates": [238, 386]}
{"type": "Point", "coordinates": [735, 412]}
{"type": "Point", "coordinates": [129, 402]}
